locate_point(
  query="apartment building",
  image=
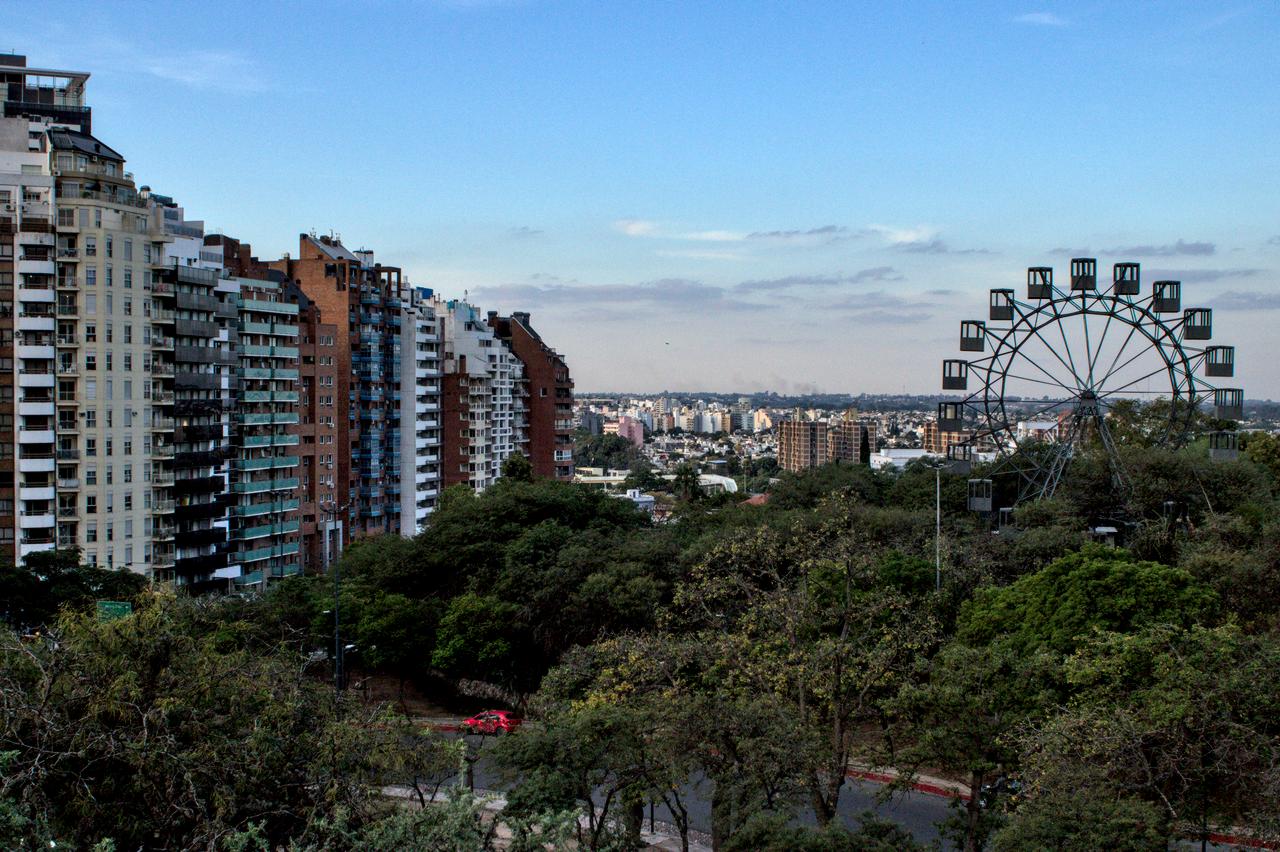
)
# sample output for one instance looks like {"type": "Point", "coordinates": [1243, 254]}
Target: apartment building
{"type": "Point", "coordinates": [35, 101]}
{"type": "Point", "coordinates": [369, 305]}
{"type": "Point", "coordinates": [548, 396]}
{"type": "Point", "coordinates": [936, 441]}
{"type": "Point", "coordinates": [851, 440]}
{"type": "Point", "coordinates": [324, 529]}
{"type": "Point", "coordinates": [265, 519]}
{"type": "Point", "coordinates": [108, 394]}
{"type": "Point", "coordinates": [802, 444]}
{"type": "Point", "coordinates": [483, 414]}
{"type": "Point", "coordinates": [420, 410]}
{"type": "Point", "coordinates": [172, 405]}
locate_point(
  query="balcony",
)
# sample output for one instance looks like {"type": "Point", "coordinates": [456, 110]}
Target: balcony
{"type": "Point", "coordinates": [162, 507]}
{"type": "Point", "coordinates": [163, 397]}
{"type": "Point", "coordinates": [65, 310]}
{"type": "Point", "coordinates": [70, 255]}
{"type": "Point", "coordinates": [68, 454]}
{"type": "Point", "coordinates": [159, 341]}
{"type": "Point", "coordinates": [161, 369]}
{"type": "Point", "coordinates": [162, 424]}
{"type": "Point", "coordinates": [162, 478]}
{"type": "Point", "coordinates": [163, 452]}
{"type": "Point", "coordinates": [68, 484]}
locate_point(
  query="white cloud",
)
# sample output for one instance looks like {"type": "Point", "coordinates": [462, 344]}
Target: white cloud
{"type": "Point", "coordinates": [636, 227]}
{"type": "Point", "coordinates": [1040, 19]}
{"type": "Point", "coordinates": [696, 254]}
{"type": "Point", "coordinates": [900, 236]}
{"type": "Point", "coordinates": [714, 236]}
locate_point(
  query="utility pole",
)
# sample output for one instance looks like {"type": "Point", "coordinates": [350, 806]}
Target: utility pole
{"type": "Point", "coordinates": [937, 530]}
{"type": "Point", "coordinates": [332, 510]}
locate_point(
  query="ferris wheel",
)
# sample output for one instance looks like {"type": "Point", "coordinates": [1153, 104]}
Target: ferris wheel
{"type": "Point", "coordinates": [1043, 372]}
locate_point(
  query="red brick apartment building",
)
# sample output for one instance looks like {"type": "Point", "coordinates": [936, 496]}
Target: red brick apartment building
{"type": "Point", "coordinates": [550, 395]}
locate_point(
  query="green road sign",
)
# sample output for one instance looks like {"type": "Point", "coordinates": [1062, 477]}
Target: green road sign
{"type": "Point", "coordinates": [111, 610]}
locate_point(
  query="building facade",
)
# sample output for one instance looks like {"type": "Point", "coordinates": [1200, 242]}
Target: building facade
{"type": "Point", "coordinates": [483, 413]}
{"type": "Point", "coordinates": [548, 399]}
{"type": "Point", "coordinates": [420, 436]}
{"type": "Point", "coordinates": [266, 529]}
{"type": "Point", "coordinates": [802, 444]}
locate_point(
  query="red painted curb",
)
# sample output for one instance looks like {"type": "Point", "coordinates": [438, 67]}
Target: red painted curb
{"type": "Point", "coordinates": [919, 786]}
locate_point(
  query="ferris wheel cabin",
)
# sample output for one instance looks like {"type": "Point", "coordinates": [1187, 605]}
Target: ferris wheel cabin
{"type": "Point", "coordinates": [1001, 305]}
{"type": "Point", "coordinates": [1220, 361]}
{"type": "Point", "coordinates": [1197, 324]}
{"type": "Point", "coordinates": [1228, 404]}
{"type": "Point", "coordinates": [1126, 279]}
{"type": "Point", "coordinates": [1167, 297]}
{"type": "Point", "coordinates": [955, 374]}
{"type": "Point", "coordinates": [1039, 282]}
{"type": "Point", "coordinates": [1084, 274]}
{"type": "Point", "coordinates": [973, 335]}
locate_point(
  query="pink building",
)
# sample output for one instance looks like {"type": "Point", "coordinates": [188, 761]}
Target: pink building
{"type": "Point", "coordinates": [629, 428]}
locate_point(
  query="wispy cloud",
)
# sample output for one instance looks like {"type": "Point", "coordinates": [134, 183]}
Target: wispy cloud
{"type": "Point", "coordinates": [902, 236]}
{"type": "Point", "coordinates": [713, 236]}
{"type": "Point", "coordinates": [636, 227]}
{"type": "Point", "coordinates": [204, 69]}
{"type": "Point", "coordinates": [700, 254]}
{"type": "Point", "coordinates": [1040, 19]}
{"type": "Point", "coordinates": [523, 232]}
{"type": "Point", "coordinates": [936, 246]}
{"type": "Point", "coordinates": [1181, 247]}
{"type": "Point", "coordinates": [1197, 276]}
{"type": "Point", "coordinates": [804, 237]}
{"type": "Point", "coordinates": [1245, 300]}
{"type": "Point", "coordinates": [675, 294]}
{"type": "Point", "coordinates": [875, 273]}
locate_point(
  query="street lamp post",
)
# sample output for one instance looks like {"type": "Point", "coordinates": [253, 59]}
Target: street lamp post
{"type": "Point", "coordinates": [332, 510]}
{"type": "Point", "coordinates": [937, 528]}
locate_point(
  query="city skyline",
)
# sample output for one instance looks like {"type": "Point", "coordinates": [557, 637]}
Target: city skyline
{"type": "Point", "coordinates": [811, 201]}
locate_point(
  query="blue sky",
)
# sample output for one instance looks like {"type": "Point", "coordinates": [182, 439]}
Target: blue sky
{"type": "Point", "coordinates": [731, 196]}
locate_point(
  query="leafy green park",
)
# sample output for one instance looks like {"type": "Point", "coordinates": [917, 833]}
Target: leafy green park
{"type": "Point", "coordinates": [761, 649]}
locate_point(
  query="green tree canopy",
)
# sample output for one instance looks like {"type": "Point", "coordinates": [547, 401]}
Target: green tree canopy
{"type": "Point", "coordinates": [1096, 588]}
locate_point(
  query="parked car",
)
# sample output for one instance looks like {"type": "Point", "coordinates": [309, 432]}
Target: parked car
{"type": "Point", "coordinates": [492, 722]}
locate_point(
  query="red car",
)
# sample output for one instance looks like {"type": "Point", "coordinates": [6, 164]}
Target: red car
{"type": "Point", "coordinates": [492, 722]}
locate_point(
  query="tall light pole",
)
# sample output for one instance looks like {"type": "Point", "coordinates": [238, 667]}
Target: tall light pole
{"type": "Point", "coordinates": [937, 528]}
{"type": "Point", "coordinates": [332, 510]}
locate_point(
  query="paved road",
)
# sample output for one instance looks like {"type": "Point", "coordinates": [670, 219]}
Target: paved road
{"type": "Point", "coordinates": [919, 813]}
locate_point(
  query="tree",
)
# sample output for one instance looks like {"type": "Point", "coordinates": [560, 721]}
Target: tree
{"type": "Point", "coordinates": [517, 468]}
{"type": "Point", "coordinates": [957, 716]}
{"type": "Point", "coordinates": [686, 484]}
{"type": "Point", "coordinates": [1183, 717]}
{"type": "Point", "coordinates": [160, 730]}
{"type": "Point", "coordinates": [1082, 818]}
{"type": "Point", "coordinates": [607, 451]}
{"type": "Point", "coordinates": [1097, 588]}
{"type": "Point", "coordinates": [475, 638]}
{"type": "Point", "coordinates": [32, 595]}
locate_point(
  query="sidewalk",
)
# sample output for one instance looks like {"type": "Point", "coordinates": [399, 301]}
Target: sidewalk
{"type": "Point", "coordinates": [664, 839]}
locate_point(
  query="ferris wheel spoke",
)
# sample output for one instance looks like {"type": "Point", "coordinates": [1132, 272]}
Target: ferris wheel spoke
{"type": "Point", "coordinates": [1163, 368]}
{"type": "Point", "coordinates": [1075, 374]}
{"type": "Point", "coordinates": [1045, 409]}
{"type": "Point", "coordinates": [1097, 354]}
{"type": "Point", "coordinates": [1123, 346]}
{"type": "Point", "coordinates": [1054, 383]}
{"type": "Point", "coordinates": [1088, 347]}
{"type": "Point", "coordinates": [1070, 369]}
{"type": "Point", "coordinates": [1016, 353]}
